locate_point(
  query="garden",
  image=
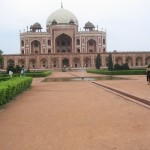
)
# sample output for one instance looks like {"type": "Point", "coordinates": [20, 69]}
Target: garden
{"type": "Point", "coordinates": [117, 72]}
{"type": "Point", "coordinates": [114, 69]}
{"type": "Point", "coordinates": [16, 80]}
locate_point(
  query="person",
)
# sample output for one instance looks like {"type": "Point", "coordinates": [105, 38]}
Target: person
{"type": "Point", "coordinates": [22, 72]}
{"type": "Point", "coordinates": [10, 73]}
{"type": "Point", "coordinates": [148, 74]}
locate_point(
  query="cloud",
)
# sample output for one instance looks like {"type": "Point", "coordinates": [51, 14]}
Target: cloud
{"type": "Point", "coordinates": [126, 21]}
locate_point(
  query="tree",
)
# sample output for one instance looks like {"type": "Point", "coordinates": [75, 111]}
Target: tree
{"type": "Point", "coordinates": [98, 61]}
{"type": "Point", "coordinates": [110, 62]}
{"type": "Point", "coordinates": [1, 58]}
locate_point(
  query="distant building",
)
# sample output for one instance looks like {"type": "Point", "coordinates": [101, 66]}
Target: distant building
{"type": "Point", "coordinates": [62, 44]}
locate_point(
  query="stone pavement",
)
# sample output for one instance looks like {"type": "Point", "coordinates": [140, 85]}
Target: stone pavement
{"type": "Point", "coordinates": [137, 85]}
{"type": "Point", "coordinates": [76, 116]}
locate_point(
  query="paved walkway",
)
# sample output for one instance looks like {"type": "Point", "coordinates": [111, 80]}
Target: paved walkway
{"type": "Point", "coordinates": [76, 116]}
{"type": "Point", "coordinates": [137, 85]}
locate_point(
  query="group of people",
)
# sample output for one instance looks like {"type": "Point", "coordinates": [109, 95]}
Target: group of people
{"type": "Point", "coordinates": [21, 73]}
{"type": "Point", "coordinates": [148, 74]}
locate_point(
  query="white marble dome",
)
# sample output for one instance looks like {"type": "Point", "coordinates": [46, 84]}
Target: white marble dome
{"type": "Point", "coordinates": [62, 16]}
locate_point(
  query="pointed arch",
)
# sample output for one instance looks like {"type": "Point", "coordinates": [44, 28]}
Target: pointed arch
{"type": "Point", "coordinates": [35, 47]}
{"type": "Point", "coordinates": [147, 60]}
{"type": "Point", "coordinates": [32, 63]}
{"type": "Point", "coordinates": [119, 60]}
{"type": "Point", "coordinates": [78, 50]}
{"type": "Point", "coordinates": [139, 61]}
{"type": "Point", "coordinates": [49, 42]}
{"type": "Point", "coordinates": [63, 43]}
{"type": "Point", "coordinates": [11, 62]}
{"type": "Point", "coordinates": [91, 45]}
{"type": "Point", "coordinates": [21, 63]}
{"type": "Point", "coordinates": [76, 63]}
{"type": "Point", "coordinates": [65, 62]}
{"type": "Point", "coordinates": [55, 63]}
{"type": "Point", "coordinates": [22, 43]}
{"type": "Point", "coordinates": [43, 63]}
{"type": "Point", "coordinates": [129, 61]}
{"type": "Point", "coordinates": [87, 62]}
{"type": "Point", "coordinates": [78, 42]}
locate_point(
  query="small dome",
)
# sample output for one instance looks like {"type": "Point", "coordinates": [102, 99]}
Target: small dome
{"type": "Point", "coordinates": [89, 25]}
{"type": "Point", "coordinates": [62, 16]}
{"type": "Point", "coordinates": [36, 26]}
{"type": "Point", "coordinates": [54, 22]}
{"type": "Point", "coordinates": [71, 21]}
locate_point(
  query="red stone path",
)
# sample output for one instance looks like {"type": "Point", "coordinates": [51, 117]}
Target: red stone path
{"type": "Point", "coordinates": [76, 116]}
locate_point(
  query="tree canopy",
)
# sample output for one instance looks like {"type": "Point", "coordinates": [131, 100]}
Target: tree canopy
{"type": "Point", "coordinates": [98, 61]}
{"type": "Point", "coordinates": [110, 62]}
{"type": "Point", "coordinates": [1, 57]}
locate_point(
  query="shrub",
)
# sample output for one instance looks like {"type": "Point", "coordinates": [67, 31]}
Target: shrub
{"type": "Point", "coordinates": [38, 74]}
{"type": "Point", "coordinates": [12, 87]}
{"type": "Point", "coordinates": [29, 74]}
{"type": "Point", "coordinates": [4, 75]}
{"type": "Point", "coordinates": [4, 78]}
{"type": "Point", "coordinates": [116, 67]}
{"type": "Point", "coordinates": [16, 69]}
{"type": "Point", "coordinates": [117, 72]}
{"type": "Point", "coordinates": [121, 67]}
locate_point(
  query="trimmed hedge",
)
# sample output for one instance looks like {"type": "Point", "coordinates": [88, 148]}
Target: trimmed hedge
{"type": "Point", "coordinates": [4, 75]}
{"type": "Point", "coordinates": [4, 78]}
{"type": "Point", "coordinates": [29, 74]}
{"type": "Point", "coordinates": [38, 74]}
{"type": "Point", "coordinates": [117, 72]}
{"type": "Point", "coordinates": [12, 87]}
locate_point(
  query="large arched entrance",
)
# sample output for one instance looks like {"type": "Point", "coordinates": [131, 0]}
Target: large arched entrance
{"type": "Point", "coordinates": [65, 63]}
{"type": "Point", "coordinates": [63, 44]}
{"type": "Point", "coordinates": [91, 46]}
{"type": "Point", "coordinates": [87, 62]}
{"type": "Point", "coordinates": [54, 63]}
{"type": "Point", "coordinates": [35, 47]}
{"type": "Point", "coordinates": [76, 63]}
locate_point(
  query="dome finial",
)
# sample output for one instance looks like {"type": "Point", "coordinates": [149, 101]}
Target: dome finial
{"type": "Point", "coordinates": [61, 5]}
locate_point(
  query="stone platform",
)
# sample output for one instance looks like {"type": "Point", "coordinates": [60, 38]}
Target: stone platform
{"type": "Point", "coordinates": [77, 116]}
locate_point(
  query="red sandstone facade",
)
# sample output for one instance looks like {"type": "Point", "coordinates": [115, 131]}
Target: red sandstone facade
{"type": "Point", "coordinates": [63, 45]}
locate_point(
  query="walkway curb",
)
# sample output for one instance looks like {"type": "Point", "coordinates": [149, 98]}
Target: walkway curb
{"type": "Point", "coordinates": [134, 98]}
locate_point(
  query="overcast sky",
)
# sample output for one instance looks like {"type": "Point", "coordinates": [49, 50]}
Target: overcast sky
{"type": "Point", "coordinates": [127, 21]}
